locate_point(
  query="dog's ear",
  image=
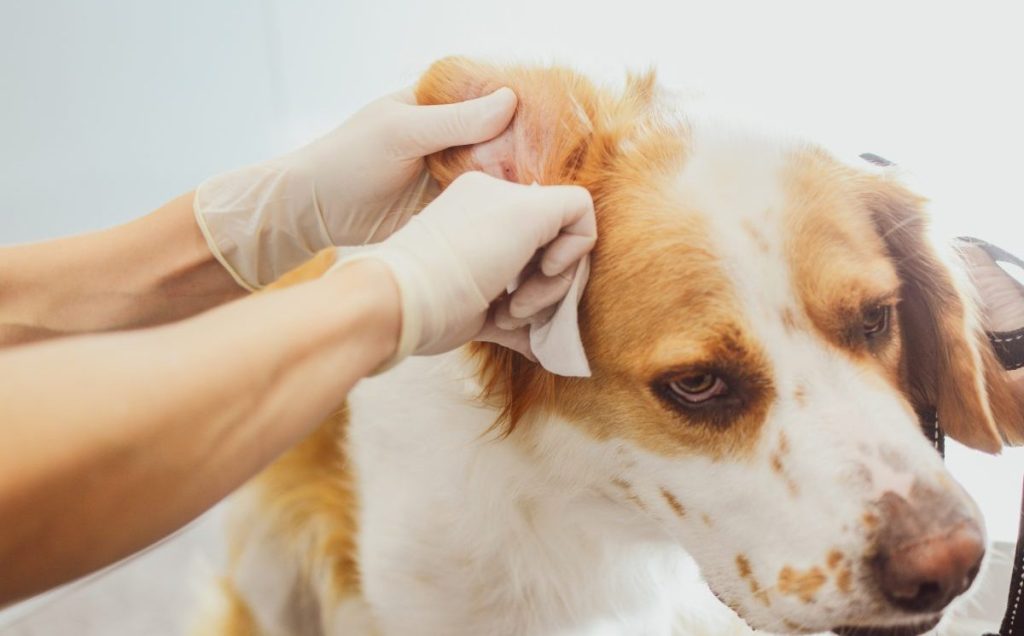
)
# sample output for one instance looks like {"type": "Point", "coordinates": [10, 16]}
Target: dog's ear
{"type": "Point", "coordinates": [551, 140]}
{"type": "Point", "coordinates": [948, 363]}
{"type": "Point", "coordinates": [551, 134]}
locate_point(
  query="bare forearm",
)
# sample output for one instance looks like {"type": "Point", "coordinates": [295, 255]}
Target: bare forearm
{"type": "Point", "coordinates": [153, 270]}
{"type": "Point", "coordinates": [143, 431]}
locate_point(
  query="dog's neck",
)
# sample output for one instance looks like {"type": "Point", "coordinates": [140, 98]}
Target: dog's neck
{"type": "Point", "coordinates": [533, 518]}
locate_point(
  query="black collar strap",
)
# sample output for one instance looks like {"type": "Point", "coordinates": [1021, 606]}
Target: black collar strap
{"type": "Point", "coordinates": [1009, 348]}
{"type": "Point", "coordinates": [1008, 344]}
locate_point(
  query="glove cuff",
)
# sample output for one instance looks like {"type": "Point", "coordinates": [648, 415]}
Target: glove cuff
{"type": "Point", "coordinates": [260, 221]}
{"type": "Point", "coordinates": [405, 280]}
{"type": "Point", "coordinates": [436, 291]}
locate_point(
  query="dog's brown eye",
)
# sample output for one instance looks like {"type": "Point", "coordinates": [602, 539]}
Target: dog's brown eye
{"type": "Point", "coordinates": [698, 388]}
{"type": "Point", "coordinates": [876, 321]}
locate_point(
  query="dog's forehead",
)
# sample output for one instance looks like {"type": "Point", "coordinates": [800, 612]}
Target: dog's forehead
{"type": "Point", "coordinates": [736, 179]}
{"type": "Point", "coordinates": [747, 229]}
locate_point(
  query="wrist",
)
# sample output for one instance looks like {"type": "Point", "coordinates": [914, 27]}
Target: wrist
{"type": "Point", "coordinates": [367, 290]}
{"type": "Point", "coordinates": [175, 274]}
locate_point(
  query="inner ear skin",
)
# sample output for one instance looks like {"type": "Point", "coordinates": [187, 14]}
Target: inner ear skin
{"type": "Point", "coordinates": [549, 135]}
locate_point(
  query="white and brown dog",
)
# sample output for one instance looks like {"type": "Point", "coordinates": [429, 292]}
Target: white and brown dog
{"type": "Point", "coordinates": [765, 325]}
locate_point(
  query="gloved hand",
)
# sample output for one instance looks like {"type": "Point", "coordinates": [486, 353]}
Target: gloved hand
{"type": "Point", "coordinates": [356, 185]}
{"type": "Point", "coordinates": [458, 255]}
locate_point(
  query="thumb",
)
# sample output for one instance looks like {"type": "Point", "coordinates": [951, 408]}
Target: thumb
{"type": "Point", "coordinates": [434, 128]}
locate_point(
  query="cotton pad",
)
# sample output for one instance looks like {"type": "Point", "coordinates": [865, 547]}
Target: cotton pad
{"type": "Point", "coordinates": [555, 339]}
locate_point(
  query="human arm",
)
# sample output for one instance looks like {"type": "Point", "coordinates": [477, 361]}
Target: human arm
{"type": "Point", "coordinates": [357, 184]}
{"type": "Point", "coordinates": [152, 270]}
{"type": "Point", "coordinates": [109, 442]}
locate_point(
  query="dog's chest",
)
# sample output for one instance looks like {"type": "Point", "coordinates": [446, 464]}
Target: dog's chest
{"type": "Point", "coordinates": [459, 535]}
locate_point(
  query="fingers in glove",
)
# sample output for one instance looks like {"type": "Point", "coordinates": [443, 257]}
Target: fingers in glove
{"type": "Point", "coordinates": [503, 318]}
{"type": "Point", "coordinates": [517, 339]}
{"type": "Point", "coordinates": [576, 230]}
{"type": "Point", "coordinates": [434, 128]}
{"type": "Point", "coordinates": [540, 291]}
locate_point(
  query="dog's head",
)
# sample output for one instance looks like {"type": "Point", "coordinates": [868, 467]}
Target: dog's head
{"type": "Point", "coordinates": [766, 326]}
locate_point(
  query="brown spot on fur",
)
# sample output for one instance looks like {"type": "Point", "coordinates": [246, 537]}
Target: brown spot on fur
{"type": "Point", "coordinates": [707, 520]}
{"type": "Point", "coordinates": [844, 580]}
{"type": "Point", "coordinates": [870, 520]}
{"type": "Point", "coordinates": [804, 585]}
{"type": "Point", "coordinates": [761, 595]}
{"type": "Point", "coordinates": [778, 467]}
{"type": "Point", "coordinates": [743, 565]}
{"type": "Point", "coordinates": [756, 235]}
{"type": "Point", "coordinates": [631, 495]}
{"type": "Point", "coordinates": [834, 558]}
{"type": "Point", "coordinates": [800, 395]}
{"type": "Point", "coordinates": [674, 503]}
{"type": "Point", "coordinates": [747, 574]}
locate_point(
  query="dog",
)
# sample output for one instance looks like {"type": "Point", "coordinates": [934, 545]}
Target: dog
{"type": "Point", "coordinates": [767, 327]}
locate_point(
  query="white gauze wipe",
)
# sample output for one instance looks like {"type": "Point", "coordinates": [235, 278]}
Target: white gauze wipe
{"type": "Point", "coordinates": [555, 336]}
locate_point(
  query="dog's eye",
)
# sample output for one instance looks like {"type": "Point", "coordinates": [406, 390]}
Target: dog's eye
{"type": "Point", "coordinates": [698, 388]}
{"type": "Point", "coordinates": [876, 321]}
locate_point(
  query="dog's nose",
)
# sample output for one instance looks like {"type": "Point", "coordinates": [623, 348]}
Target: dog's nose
{"type": "Point", "coordinates": [927, 552]}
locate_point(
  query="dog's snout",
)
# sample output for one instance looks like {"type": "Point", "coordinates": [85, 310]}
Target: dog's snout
{"type": "Point", "coordinates": [927, 551]}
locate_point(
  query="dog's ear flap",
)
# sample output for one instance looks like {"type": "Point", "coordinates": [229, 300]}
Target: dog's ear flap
{"type": "Point", "coordinates": [550, 139]}
{"type": "Point", "coordinates": [948, 362]}
{"type": "Point", "coordinates": [551, 132]}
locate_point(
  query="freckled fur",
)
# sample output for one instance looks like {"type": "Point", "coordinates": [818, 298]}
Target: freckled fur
{"type": "Point", "coordinates": [673, 503]}
{"type": "Point", "coordinates": [802, 584]}
{"type": "Point", "coordinates": [469, 493]}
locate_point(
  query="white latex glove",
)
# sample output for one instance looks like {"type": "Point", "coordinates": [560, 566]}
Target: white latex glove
{"type": "Point", "coordinates": [458, 255]}
{"type": "Point", "coordinates": [356, 185]}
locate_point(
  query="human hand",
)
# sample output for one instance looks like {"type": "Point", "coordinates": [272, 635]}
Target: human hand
{"type": "Point", "coordinates": [353, 186]}
{"type": "Point", "coordinates": [457, 256]}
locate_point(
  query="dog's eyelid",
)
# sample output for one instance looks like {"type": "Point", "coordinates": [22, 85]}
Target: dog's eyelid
{"type": "Point", "coordinates": [888, 299]}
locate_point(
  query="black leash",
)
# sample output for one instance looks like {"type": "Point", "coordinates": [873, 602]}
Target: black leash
{"type": "Point", "coordinates": [1013, 624]}
{"type": "Point", "coordinates": [1009, 348]}
{"type": "Point", "coordinates": [1013, 619]}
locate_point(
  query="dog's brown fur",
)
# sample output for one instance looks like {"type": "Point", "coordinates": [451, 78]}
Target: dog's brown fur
{"type": "Point", "coordinates": [625, 151]}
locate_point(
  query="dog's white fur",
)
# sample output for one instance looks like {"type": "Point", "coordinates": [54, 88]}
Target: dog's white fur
{"type": "Point", "coordinates": [463, 534]}
{"type": "Point", "coordinates": [461, 531]}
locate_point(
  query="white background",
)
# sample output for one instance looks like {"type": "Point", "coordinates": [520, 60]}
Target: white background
{"type": "Point", "coordinates": [109, 108]}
